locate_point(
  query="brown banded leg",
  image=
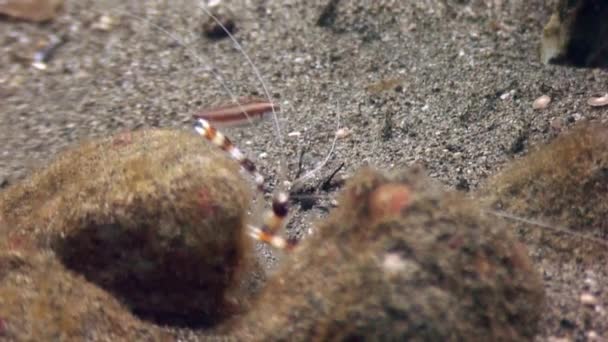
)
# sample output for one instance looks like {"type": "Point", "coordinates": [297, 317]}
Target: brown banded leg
{"type": "Point", "coordinates": [273, 222]}
{"type": "Point", "coordinates": [273, 219]}
{"type": "Point", "coordinates": [204, 128]}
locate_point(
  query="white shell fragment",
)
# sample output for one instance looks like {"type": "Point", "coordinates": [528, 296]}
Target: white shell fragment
{"type": "Point", "coordinates": [393, 263]}
{"type": "Point", "coordinates": [342, 133]}
{"type": "Point", "coordinates": [588, 299]}
{"type": "Point", "coordinates": [104, 23]}
{"type": "Point", "coordinates": [541, 103]}
{"type": "Point", "coordinates": [598, 101]}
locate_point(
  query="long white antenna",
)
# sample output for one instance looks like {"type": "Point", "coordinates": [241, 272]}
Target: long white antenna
{"type": "Point", "coordinates": [208, 65]}
{"type": "Point", "coordinates": [253, 67]}
{"type": "Point", "coordinates": [547, 226]}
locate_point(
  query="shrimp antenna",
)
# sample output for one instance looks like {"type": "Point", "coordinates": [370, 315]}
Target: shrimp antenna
{"type": "Point", "coordinates": [327, 157]}
{"type": "Point", "coordinates": [199, 58]}
{"type": "Point", "coordinates": [255, 69]}
{"type": "Point", "coordinates": [543, 225]}
{"type": "Point", "coordinates": [275, 119]}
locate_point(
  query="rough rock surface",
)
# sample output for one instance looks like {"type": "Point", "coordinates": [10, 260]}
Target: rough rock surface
{"type": "Point", "coordinates": [576, 34]}
{"type": "Point", "coordinates": [154, 216]}
{"type": "Point", "coordinates": [400, 259]}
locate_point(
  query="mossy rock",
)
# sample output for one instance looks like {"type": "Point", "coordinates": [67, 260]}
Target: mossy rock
{"type": "Point", "coordinates": [401, 259]}
{"type": "Point", "coordinates": [120, 225]}
{"type": "Point", "coordinates": [560, 190]}
{"type": "Point", "coordinates": [156, 217]}
{"type": "Point", "coordinates": [42, 301]}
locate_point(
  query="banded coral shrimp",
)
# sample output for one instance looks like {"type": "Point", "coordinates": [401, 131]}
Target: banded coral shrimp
{"type": "Point", "coordinates": [238, 107]}
{"type": "Point", "coordinates": [187, 124]}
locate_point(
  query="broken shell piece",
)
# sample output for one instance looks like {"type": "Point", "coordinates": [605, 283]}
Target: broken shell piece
{"type": "Point", "coordinates": [39, 65]}
{"type": "Point", "coordinates": [104, 23]}
{"type": "Point", "coordinates": [542, 102]}
{"type": "Point", "coordinates": [598, 101]}
{"type": "Point", "coordinates": [588, 299]}
{"type": "Point", "coordinates": [393, 263]}
{"type": "Point", "coordinates": [342, 133]}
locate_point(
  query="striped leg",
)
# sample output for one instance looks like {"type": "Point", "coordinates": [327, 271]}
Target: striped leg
{"type": "Point", "coordinates": [273, 219]}
{"type": "Point", "coordinates": [273, 222]}
{"type": "Point", "coordinates": [204, 128]}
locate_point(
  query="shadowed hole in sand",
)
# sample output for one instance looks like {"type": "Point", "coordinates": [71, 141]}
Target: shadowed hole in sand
{"type": "Point", "coordinates": [166, 283]}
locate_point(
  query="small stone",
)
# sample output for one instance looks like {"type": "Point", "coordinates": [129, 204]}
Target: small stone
{"type": "Point", "coordinates": [104, 23]}
{"type": "Point", "coordinates": [593, 336]}
{"type": "Point", "coordinates": [343, 133]}
{"type": "Point", "coordinates": [588, 299]}
{"type": "Point", "coordinates": [393, 263]}
{"type": "Point", "coordinates": [541, 103]}
{"type": "Point", "coordinates": [39, 65]}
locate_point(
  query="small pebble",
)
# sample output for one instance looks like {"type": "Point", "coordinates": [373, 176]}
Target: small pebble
{"type": "Point", "coordinates": [588, 299]}
{"type": "Point", "coordinates": [507, 95]}
{"type": "Point", "coordinates": [593, 336]}
{"type": "Point", "coordinates": [104, 23]}
{"type": "Point", "coordinates": [39, 65]}
{"type": "Point", "coordinates": [541, 103]}
{"type": "Point", "coordinates": [393, 263]}
{"type": "Point", "coordinates": [342, 133]}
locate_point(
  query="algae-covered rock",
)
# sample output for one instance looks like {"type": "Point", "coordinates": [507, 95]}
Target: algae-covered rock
{"type": "Point", "coordinates": [34, 10]}
{"type": "Point", "coordinates": [41, 301]}
{"type": "Point", "coordinates": [401, 260]}
{"type": "Point", "coordinates": [557, 196]}
{"type": "Point", "coordinates": [156, 217]}
{"type": "Point", "coordinates": [577, 34]}
{"type": "Point", "coordinates": [564, 182]}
